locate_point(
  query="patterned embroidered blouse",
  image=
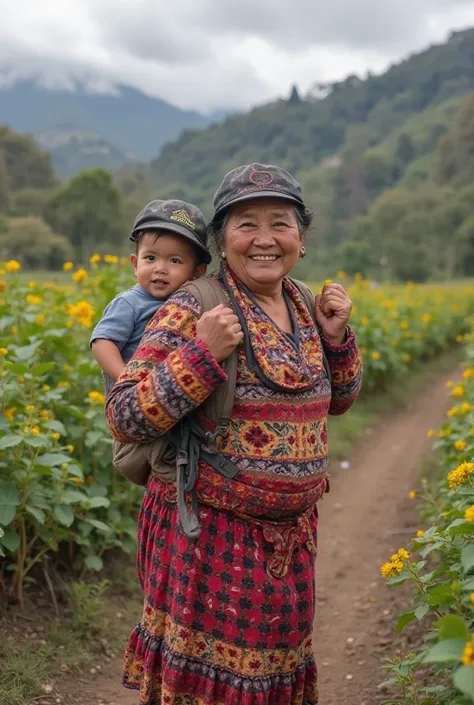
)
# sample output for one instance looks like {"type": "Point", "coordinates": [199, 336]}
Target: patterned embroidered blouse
{"type": "Point", "coordinates": [278, 440]}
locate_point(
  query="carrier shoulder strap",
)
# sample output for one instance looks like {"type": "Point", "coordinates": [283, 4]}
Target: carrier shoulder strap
{"type": "Point", "coordinates": [218, 407]}
{"type": "Point", "coordinates": [308, 298]}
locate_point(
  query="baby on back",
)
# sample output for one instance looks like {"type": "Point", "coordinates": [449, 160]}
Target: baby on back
{"type": "Point", "coordinates": [170, 249]}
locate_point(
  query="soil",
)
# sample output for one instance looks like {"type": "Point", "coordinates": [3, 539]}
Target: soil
{"type": "Point", "coordinates": [365, 518]}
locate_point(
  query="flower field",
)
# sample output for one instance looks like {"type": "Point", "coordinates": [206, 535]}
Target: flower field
{"type": "Point", "coordinates": [439, 564]}
{"type": "Point", "coordinates": [59, 494]}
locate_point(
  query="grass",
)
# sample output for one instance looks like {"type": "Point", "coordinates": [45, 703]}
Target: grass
{"type": "Point", "coordinates": [42, 275]}
{"type": "Point", "coordinates": [91, 612]}
{"type": "Point", "coordinates": [69, 643]}
{"type": "Point", "coordinates": [345, 430]}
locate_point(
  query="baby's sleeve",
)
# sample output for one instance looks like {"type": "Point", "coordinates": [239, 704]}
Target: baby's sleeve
{"type": "Point", "coordinates": [116, 324]}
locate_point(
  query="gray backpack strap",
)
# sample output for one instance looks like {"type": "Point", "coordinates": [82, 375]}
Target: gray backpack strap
{"type": "Point", "coordinates": [308, 298]}
{"type": "Point", "coordinates": [218, 407]}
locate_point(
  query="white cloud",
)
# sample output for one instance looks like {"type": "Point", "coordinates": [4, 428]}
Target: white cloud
{"type": "Point", "coordinates": [208, 54]}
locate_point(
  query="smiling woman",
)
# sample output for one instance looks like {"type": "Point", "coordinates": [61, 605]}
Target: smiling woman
{"type": "Point", "coordinates": [229, 613]}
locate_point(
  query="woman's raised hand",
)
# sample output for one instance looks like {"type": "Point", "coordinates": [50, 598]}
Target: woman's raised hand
{"type": "Point", "coordinates": [220, 330]}
{"type": "Point", "coordinates": [333, 308]}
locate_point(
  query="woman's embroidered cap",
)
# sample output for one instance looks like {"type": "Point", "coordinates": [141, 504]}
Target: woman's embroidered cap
{"type": "Point", "coordinates": [177, 217]}
{"type": "Point", "coordinates": [256, 181]}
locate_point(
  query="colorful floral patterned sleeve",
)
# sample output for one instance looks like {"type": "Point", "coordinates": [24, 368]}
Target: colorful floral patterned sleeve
{"type": "Point", "coordinates": [345, 362]}
{"type": "Point", "coordinates": [170, 375]}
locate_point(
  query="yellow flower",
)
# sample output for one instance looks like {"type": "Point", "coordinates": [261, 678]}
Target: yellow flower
{"type": "Point", "coordinates": [404, 325]}
{"type": "Point", "coordinates": [460, 445]}
{"type": "Point", "coordinates": [40, 319]}
{"type": "Point", "coordinates": [460, 474]}
{"type": "Point", "coordinates": [55, 436]}
{"type": "Point", "coordinates": [63, 385]}
{"type": "Point", "coordinates": [387, 570]}
{"type": "Point", "coordinates": [31, 284]}
{"type": "Point", "coordinates": [420, 534]}
{"type": "Point", "coordinates": [341, 274]}
{"type": "Point", "coordinates": [459, 338]}
{"type": "Point", "coordinates": [467, 374]}
{"type": "Point", "coordinates": [67, 266]}
{"type": "Point", "coordinates": [406, 357]}
{"type": "Point", "coordinates": [111, 259]}
{"type": "Point", "coordinates": [3, 352]}
{"type": "Point", "coordinates": [45, 415]}
{"type": "Point", "coordinates": [3, 285]}
{"type": "Point", "coordinates": [430, 433]}
{"type": "Point", "coordinates": [427, 318]}
{"type": "Point", "coordinates": [12, 266]}
{"type": "Point", "coordinates": [82, 312]}
{"type": "Point", "coordinates": [326, 283]}
{"type": "Point", "coordinates": [70, 448]}
{"type": "Point", "coordinates": [396, 563]}
{"type": "Point", "coordinates": [35, 431]}
{"type": "Point", "coordinates": [80, 276]}
{"type": "Point", "coordinates": [469, 514]}
{"type": "Point", "coordinates": [2, 272]}
{"type": "Point", "coordinates": [468, 654]}
{"type": "Point", "coordinates": [76, 480]}
{"type": "Point", "coordinates": [96, 397]}
{"type": "Point", "coordinates": [364, 321]}
{"type": "Point", "coordinates": [458, 391]}
{"type": "Point", "coordinates": [94, 259]}
{"type": "Point", "coordinates": [46, 388]}
{"type": "Point", "coordinates": [465, 408]}
{"type": "Point", "coordinates": [67, 368]}
{"type": "Point", "coordinates": [412, 494]}
{"type": "Point", "coordinates": [403, 555]}
{"type": "Point", "coordinates": [449, 384]}
{"type": "Point", "coordinates": [14, 330]}
{"type": "Point", "coordinates": [10, 413]}
{"type": "Point", "coordinates": [30, 409]}
{"type": "Point", "coordinates": [375, 355]}
{"type": "Point", "coordinates": [34, 300]}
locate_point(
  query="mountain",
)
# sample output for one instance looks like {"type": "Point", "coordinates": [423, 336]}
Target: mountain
{"type": "Point", "coordinates": [83, 129]}
{"type": "Point", "coordinates": [311, 135]}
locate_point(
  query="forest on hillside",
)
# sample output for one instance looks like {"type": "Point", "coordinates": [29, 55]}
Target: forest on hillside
{"type": "Point", "coordinates": [386, 163]}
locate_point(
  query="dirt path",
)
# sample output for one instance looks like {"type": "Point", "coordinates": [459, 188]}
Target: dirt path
{"type": "Point", "coordinates": [363, 520]}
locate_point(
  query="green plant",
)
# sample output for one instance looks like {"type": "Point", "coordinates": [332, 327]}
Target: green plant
{"type": "Point", "coordinates": [442, 575]}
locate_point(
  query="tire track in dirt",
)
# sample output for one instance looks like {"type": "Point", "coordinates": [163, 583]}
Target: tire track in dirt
{"type": "Point", "coordinates": [363, 520]}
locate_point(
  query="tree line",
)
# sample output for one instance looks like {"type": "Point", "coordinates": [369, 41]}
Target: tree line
{"type": "Point", "coordinates": [45, 222]}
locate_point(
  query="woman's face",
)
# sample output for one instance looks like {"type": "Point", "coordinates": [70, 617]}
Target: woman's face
{"type": "Point", "coordinates": [262, 243]}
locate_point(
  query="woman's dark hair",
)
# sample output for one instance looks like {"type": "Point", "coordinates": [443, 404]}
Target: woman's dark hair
{"type": "Point", "coordinates": [216, 228]}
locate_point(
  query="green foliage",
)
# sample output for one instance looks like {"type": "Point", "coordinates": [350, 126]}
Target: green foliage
{"type": "Point", "coordinates": [35, 244]}
{"type": "Point", "coordinates": [29, 201]}
{"type": "Point", "coordinates": [4, 185]}
{"type": "Point", "coordinates": [88, 210]}
{"type": "Point", "coordinates": [86, 602]}
{"type": "Point", "coordinates": [57, 485]}
{"type": "Point", "coordinates": [441, 568]}
{"type": "Point", "coordinates": [456, 149]}
{"type": "Point", "coordinates": [27, 165]}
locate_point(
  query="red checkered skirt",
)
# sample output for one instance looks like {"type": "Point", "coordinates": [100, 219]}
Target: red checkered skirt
{"type": "Point", "coordinates": [218, 628]}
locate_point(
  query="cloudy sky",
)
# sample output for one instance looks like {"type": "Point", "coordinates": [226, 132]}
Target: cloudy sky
{"type": "Point", "coordinates": [208, 54]}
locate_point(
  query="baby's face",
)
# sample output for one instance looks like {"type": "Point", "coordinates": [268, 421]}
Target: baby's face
{"type": "Point", "coordinates": [164, 262]}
